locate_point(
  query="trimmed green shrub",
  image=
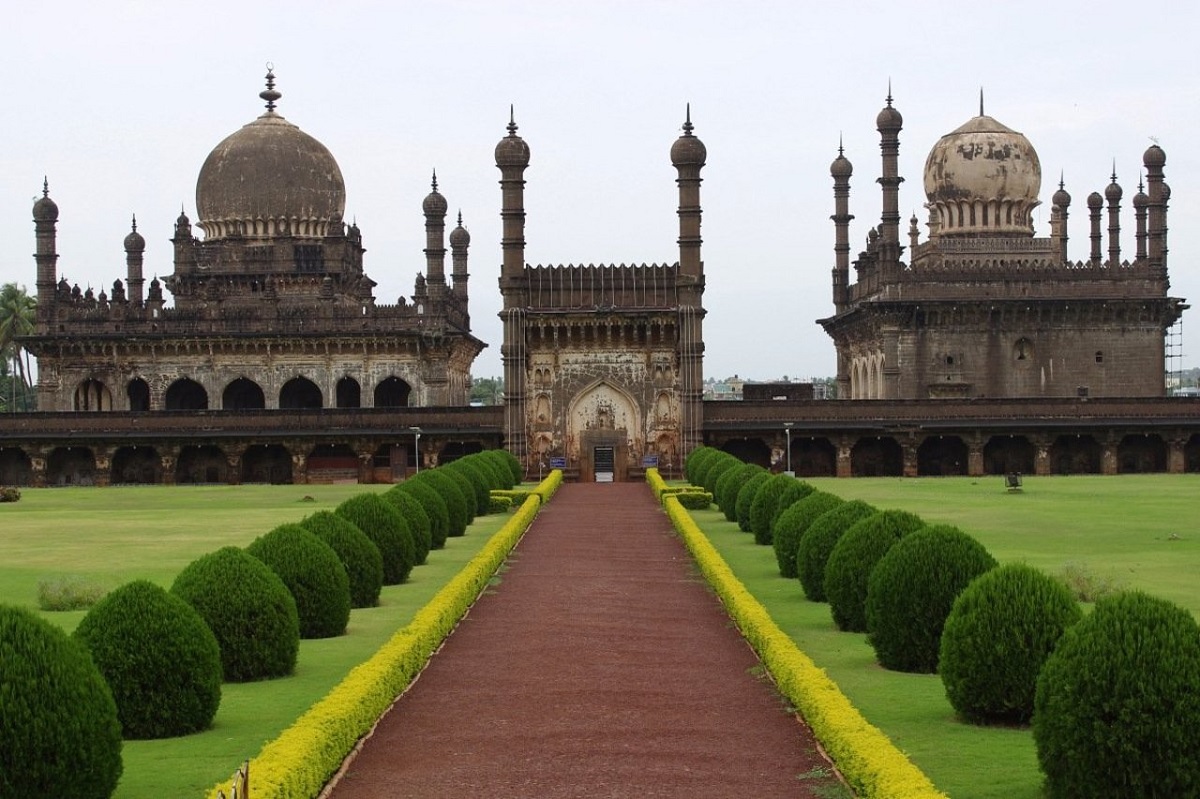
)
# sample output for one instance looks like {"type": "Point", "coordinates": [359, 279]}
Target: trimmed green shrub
{"type": "Point", "coordinates": [314, 574]}
{"type": "Point", "coordinates": [792, 523]}
{"type": "Point", "coordinates": [818, 541]}
{"type": "Point", "coordinates": [499, 504]}
{"type": "Point", "coordinates": [717, 467]}
{"type": "Point", "coordinates": [853, 559]}
{"type": "Point", "coordinates": [502, 466]}
{"type": "Point", "coordinates": [59, 731]}
{"type": "Point", "coordinates": [386, 527]}
{"type": "Point", "coordinates": [999, 632]}
{"type": "Point", "coordinates": [792, 493]}
{"type": "Point", "coordinates": [1117, 710]}
{"type": "Point", "coordinates": [358, 554]}
{"type": "Point", "coordinates": [159, 658]}
{"type": "Point", "coordinates": [695, 461]}
{"type": "Point", "coordinates": [466, 488]}
{"type": "Point", "coordinates": [762, 510]}
{"type": "Point", "coordinates": [481, 486]}
{"type": "Point", "coordinates": [435, 508]}
{"type": "Point", "coordinates": [418, 521]}
{"type": "Point", "coordinates": [10, 494]}
{"type": "Point", "coordinates": [485, 468]}
{"type": "Point", "coordinates": [694, 500]}
{"type": "Point", "coordinates": [447, 488]}
{"type": "Point", "coordinates": [730, 484]}
{"type": "Point", "coordinates": [746, 495]}
{"type": "Point", "coordinates": [911, 590]}
{"type": "Point", "coordinates": [514, 466]}
{"type": "Point", "coordinates": [249, 610]}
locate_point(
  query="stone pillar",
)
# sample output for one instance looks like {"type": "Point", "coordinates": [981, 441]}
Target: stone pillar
{"type": "Point", "coordinates": [37, 467]}
{"type": "Point", "coordinates": [299, 465]}
{"type": "Point", "coordinates": [169, 457]}
{"type": "Point", "coordinates": [1177, 455]}
{"type": "Point", "coordinates": [1041, 460]}
{"type": "Point", "coordinates": [366, 465]}
{"type": "Point", "coordinates": [845, 461]}
{"type": "Point", "coordinates": [910, 458]}
{"type": "Point", "coordinates": [233, 466]}
{"type": "Point", "coordinates": [103, 473]}
{"type": "Point", "coordinates": [1108, 457]}
{"type": "Point", "coordinates": [975, 456]}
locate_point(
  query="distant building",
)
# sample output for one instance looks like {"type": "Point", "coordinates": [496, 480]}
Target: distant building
{"type": "Point", "coordinates": [982, 307]}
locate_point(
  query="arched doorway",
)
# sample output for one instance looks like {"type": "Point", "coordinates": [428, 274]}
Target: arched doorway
{"type": "Point", "coordinates": [138, 392]}
{"type": "Point", "coordinates": [92, 395]}
{"type": "Point", "coordinates": [1009, 455]}
{"type": "Point", "coordinates": [749, 450]}
{"type": "Point", "coordinates": [71, 466]}
{"type": "Point", "coordinates": [300, 393]}
{"type": "Point", "coordinates": [243, 394]}
{"type": "Point", "coordinates": [15, 467]}
{"type": "Point", "coordinates": [392, 393]}
{"type": "Point", "coordinates": [1138, 454]}
{"type": "Point", "coordinates": [201, 464]}
{"type": "Point", "coordinates": [186, 394]}
{"type": "Point", "coordinates": [267, 463]}
{"type": "Point", "coordinates": [1078, 454]}
{"type": "Point", "coordinates": [136, 465]}
{"type": "Point", "coordinates": [813, 457]}
{"type": "Point", "coordinates": [349, 393]}
{"type": "Point", "coordinates": [942, 456]}
{"type": "Point", "coordinates": [876, 457]}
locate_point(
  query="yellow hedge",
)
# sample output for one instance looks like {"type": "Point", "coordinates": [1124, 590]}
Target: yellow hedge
{"type": "Point", "coordinates": [298, 763]}
{"type": "Point", "coordinates": [867, 758]}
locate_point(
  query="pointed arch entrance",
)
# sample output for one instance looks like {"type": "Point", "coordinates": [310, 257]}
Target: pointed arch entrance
{"type": "Point", "coordinates": [603, 422]}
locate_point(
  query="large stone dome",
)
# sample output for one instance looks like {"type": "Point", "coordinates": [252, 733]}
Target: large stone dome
{"type": "Point", "coordinates": [270, 178]}
{"type": "Point", "coordinates": [983, 179]}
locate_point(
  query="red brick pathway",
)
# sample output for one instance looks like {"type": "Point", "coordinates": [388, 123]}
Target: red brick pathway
{"type": "Point", "coordinates": [599, 666]}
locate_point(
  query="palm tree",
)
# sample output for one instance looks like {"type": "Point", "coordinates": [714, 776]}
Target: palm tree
{"type": "Point", "coordinates": [17, 313]}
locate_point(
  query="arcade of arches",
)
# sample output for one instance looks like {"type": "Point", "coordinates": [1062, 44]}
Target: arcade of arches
{"type": "Point", "coordinates": [241, 394]}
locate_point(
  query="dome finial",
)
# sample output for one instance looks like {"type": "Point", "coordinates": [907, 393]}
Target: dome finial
{"type": "Point", "coordinates": [889, 96]}
{"type": "Point", "coordinates": [512, 121]}
{"type": "Point", "coordinates": [45, 186]}
{"type": "Point", "coordinates": [270, 95]}
{"type": "Point", "coordinates": [980, 101]}
{"type": "Point", "coordinates": [435, 178]}
{"type": "Point", "coordinates": [1062, 183]}
{"type": "Point", "coordinates": [841, 149]}
{"type": "Point", "coordinates": [1114, 172]}
{"type": "Point", "coordinates": [133, 224]}
{"type": "Point", "coordinates": [687, 121]}
{"type": "Point", "coordinates": [460, 217]}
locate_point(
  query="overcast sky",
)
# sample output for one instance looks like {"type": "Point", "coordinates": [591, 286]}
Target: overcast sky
{"type": "Point", "coordinates": [119, 103]}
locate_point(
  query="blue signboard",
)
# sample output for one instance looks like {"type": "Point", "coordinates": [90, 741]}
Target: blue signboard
{"type": "Point", "coordinates": [649, 461]}
{"type": "Point", "coordinates": [558, 463]}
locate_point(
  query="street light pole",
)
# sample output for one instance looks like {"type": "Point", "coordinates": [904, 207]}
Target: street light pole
{"type": "Point", "coordinates": [787, 429]}
{"type": "Point", "coordinates": [416, 431]}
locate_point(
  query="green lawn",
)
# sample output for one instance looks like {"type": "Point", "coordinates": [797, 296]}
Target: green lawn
{"type": "Point", "coordinates": [112, 535]}
{"type": "Point", "coordinates": [1133, 528]}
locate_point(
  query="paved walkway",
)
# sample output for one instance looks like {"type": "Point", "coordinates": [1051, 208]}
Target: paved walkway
{"type": "Point", "coordinates": [599, 666]}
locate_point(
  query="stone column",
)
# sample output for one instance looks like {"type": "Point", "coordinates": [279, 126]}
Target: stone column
{"type": "Point", "coordinates": [975, 456]}
{"type": "Point", "coordinates": [169, 457]}
{"type": "Point", "coordinates": [1041, 460]}
{"type": "Point", "coordinates": [233, 465]}
{"type": "Point", "coordinates": [299, 465]}
{"type": "Point", "coordinates": [1108, 457]}
{"type": "Point", "coordinates": [1177, 455]}
{"type": "Point", "coordinates": [103, 474]}
{"type": "Point", "coordinates": [37, 467]}
{"type": "Point", "coordinates": [845, 461]}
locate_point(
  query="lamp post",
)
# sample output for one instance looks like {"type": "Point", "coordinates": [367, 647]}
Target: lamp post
{"type": "Point", "coordinates": [787, 430]}
{"type": "Point", "coordinates": [416, 431]}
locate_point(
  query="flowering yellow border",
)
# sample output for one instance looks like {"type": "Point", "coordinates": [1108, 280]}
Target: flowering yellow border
{"type": "Point", "coordinates": [867, 758]}
{"type": "Point", "coordinates": [298, 763]}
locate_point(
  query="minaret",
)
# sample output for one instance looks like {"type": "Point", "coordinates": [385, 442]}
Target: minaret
{"type": "Point", "coordinates": [1059, 213]}
{"type": "Point", "coordinates": [185, 245]}
{"type": "Point", "coordinates": [1140, 201]}
{"type": "Point", "coordinates": [135, 246]}
{"type": "Point", "coordinates": [1156, 228]}
{"type": "Point", "coordinates": [1113, 194]}
{"type": "Point", "coordinates": [45, 220]}
{"type": "Point", "coordinates": [841, 170]}
{"type": "Point", "coordinates": [688, 155]}
{"type": "Point", "coordinates": [889, 123]}
{"type": "Point", "coordinates": [460, 242]}
{"type": "Point", "coordinates": [435, 245]}
{"type": "Point", "coordinates": [1095, 205]}
{"type": "Point", "coordinates": [512, 158]}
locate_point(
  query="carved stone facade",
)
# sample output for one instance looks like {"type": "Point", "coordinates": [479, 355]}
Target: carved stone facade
{"type": "Point", "coordinates": [983, 308]}
{"type": "Point", "coordinates": [602, 361]}
{"type": "Point", "coordinates": [272, 308]}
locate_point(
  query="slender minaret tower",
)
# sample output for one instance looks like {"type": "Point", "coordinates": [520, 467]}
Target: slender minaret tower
{"type": "Point", "coordinates": [688, 155]}
{"type": "Point", "coordinates": [460, 242]}
{"type": "Point", "coordinates": [135, 247]}
{"type": "Point", "coordinates": [185, 245]}
{"type": "Point", "coordinates": [1113, 194]}
{"type": "Point", "coordinates": [889, 123]}
{"type": "Point", "coordinates": [45, 221]}
{"type": "Point", "coordinates": [512, 158]}
{"type": "Point", "coordinates": [1154, 159]}
{"type": "Point", "coordinates": [1059, 213]}
{"type": "Point", "coordinates": [435, 244]}
{"type": "Point", "coordinates": [1095, 205]}
{"type": "Point", "coordinates": [841, 169]}
{"type": "Point", "coordinates": [1140, 200]}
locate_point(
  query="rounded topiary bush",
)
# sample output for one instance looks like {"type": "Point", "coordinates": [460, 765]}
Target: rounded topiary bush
{"type": "Point", "coordinates": [792, 523]}
{"type": "Point", "coordinates": [435, 508]}
{"type": "Point", "coordinates": [853, 559]}
{"type": "Point", "coordinates": [792, 493]}
{"type": "Point", "coordinates": [159, 658]}
{"type": "Point", "coordinates": [418, 521]}
{"type": "Point", "coordinates": [477, 461]}
{"type": "Point", "coordinates": [1117, 711]}
{"type": "Point", "coordinates": [466, 487]}
{"type": "Point", "coordinates": [59, 731]}
{"type": "Point", "coordinates": [705, 462]}
{"type": "Point", "coordinates": [248, 609]}
{"type": "Point", "coordinates": [514, 465]}
{"type": "Point", "coordinates": [762, 509]}
{"type": "Point", "coordinates": [448, 489]}
{"type": "Point", "coordinates": [999, 632]}
{"type": "Point", "coordinates": [728, 486]}
{"type": "Point", "coordinates": [746, 495]}
{"type": "Point", "coordinates": [481, 486]}
{"type": "Point", "coordinates": [358, 554]}
{"type": "Point", "coordinates": [314, 574]}
{"type": "Point", "coordinates": [818, 541]}
{"type": "Point", "coordinates": [693, 462]}
{"type": "Point", "coordinates": [717, 467]}
{"type": "Point", "coordinates": [503, 469]}
{"type": "Point", "coordinates": [386, 527]}
{"type": "Point", "coordinates": [911, 590]}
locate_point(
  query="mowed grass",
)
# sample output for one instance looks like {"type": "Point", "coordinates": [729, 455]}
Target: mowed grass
{"type": "Point", "coordinates": [113, 535]}
{"type": "Point", "coordinates": [1136, 529]}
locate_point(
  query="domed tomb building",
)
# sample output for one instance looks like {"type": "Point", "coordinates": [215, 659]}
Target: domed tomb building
{"type": "Point", "coordinates": [983, 307]}
{"type": "Point", "coordinates": [271, 307]}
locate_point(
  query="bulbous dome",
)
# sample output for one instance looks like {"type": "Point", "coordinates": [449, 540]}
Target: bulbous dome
{"type": "Point", "coordinates": [983, 179]}
{"type": "Point", "coordinates": [434, 204]}
{"type": "Point", "coordinates": [45, 209]}
{"type": "Point", "coordinates": [1094, 200]}
{"type": "Point", "coordinates": [134, 242]}
{"type": "Point", "coordinates": [841, 166]}
{"type": "Point", "coordinates": [889, 120]}
{"type": "Point", "coordinates": [460, 237]}
{"type": "Point", "coordinates": [1113, 192]}
{"type": "Point", "coordinates": [512, 149]}
{"type": "Point", "coordinates": [1061, 198]}
{"type": "Point", "coordinates": [1154, 156]}
{"type": "Point", "coordinates": [270, 178]}
{"type": "Point", "coordinates": [687, 149]}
